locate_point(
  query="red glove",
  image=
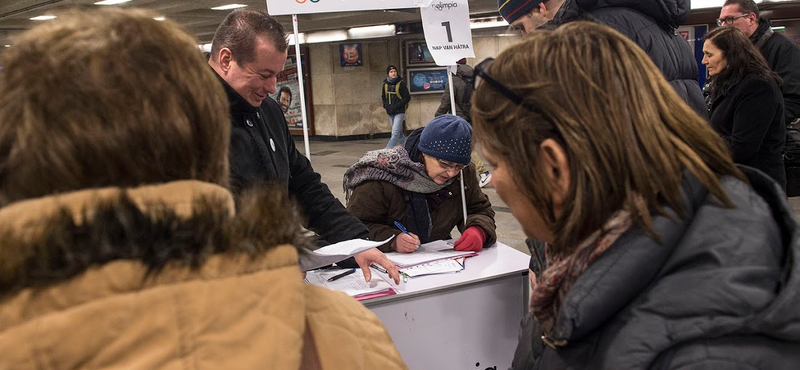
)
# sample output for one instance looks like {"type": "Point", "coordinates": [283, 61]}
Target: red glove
{"type": "Point", "coordinates": [471, 239]}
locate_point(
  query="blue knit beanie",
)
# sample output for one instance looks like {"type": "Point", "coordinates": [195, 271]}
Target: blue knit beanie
{"type": "Point", "coordinates": [447, 137]}
{"type": "Point", "coordinates": [513, 9]}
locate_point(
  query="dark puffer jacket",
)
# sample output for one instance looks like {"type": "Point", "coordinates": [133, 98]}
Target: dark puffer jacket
{"type": "Point", "coordinates": [395, 96]}
{"type": "Point", "coordinates": [651, 24]}
{"type": "Point", "coordinates": [721, 291]}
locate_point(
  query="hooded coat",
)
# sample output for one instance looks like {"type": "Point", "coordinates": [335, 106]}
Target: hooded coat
{"type": "Point", "coordinates": [720, 291]}
{"type": "Point", "coordinates": [783, 57]}
{"type": "Point", "coordinates": [652, 25]}
{"type": "Point", "coordinates": [462, 86]}
{"type": "Point", "coordinates": [169, 277]}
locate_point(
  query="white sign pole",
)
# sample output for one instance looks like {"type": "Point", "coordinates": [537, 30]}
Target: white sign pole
{"type": "Point", "coordinates": [451, 70]}
{"type": "Point", "coordinates": [302, 87]}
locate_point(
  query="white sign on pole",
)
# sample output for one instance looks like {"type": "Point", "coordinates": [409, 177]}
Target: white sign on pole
{"type": "Point", "coordinates": [447, 32]}
{"type": "Point", "coordinates": [286, 7]}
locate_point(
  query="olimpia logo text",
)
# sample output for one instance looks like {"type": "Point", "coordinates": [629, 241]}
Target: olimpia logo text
{"type": "Point", "coordinates": [438, 6]}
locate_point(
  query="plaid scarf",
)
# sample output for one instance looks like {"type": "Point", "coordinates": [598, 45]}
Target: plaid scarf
{"type": "Point", "coordinates": [563, 270]}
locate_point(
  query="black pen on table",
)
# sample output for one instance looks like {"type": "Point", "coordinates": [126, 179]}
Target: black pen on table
{"type": "Point", "coordinates": [337, 277]}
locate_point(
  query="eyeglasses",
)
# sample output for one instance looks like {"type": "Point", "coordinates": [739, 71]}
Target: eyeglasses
{"type": "Point", "coordinates": [480, 71]}
{"type": "Point", "coordinates": [450, 166]}
{"type": "Point", "coordinates": [729, 20]}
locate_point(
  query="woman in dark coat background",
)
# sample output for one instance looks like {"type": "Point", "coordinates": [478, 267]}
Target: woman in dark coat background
{"type": "Point", "coordinates": [746, 102]}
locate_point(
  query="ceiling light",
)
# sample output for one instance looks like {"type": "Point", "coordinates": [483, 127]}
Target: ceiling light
{"type": "Point", "coordinates": [326, 36]}
{"type": "Point", "coordinates": [487, 23]}
{"type": "Point", "coordinates": [43, 18]}
{"type": "Point", "coordinates": [386, 30]}
{"type": "Point", "coordinates": [159, 18]}
{"type": "Point", "coordinates": [229, 7]}
{"type": "Point", "coordinates": [111, 2]}
{"type": "Point", "coordinates": [8, 46]}
{"type": "Point", "coordinates": [300, 36]}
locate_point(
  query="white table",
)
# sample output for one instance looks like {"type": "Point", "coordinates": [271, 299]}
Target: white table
{"type": "Point", "coordinates": [464, 320]}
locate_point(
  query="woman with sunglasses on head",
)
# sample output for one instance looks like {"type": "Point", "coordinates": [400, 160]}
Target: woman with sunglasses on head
{"type": "Point", "coordinates": [420, 186]}
{"type": "Point", "coordinates": [660, 253]}
{"type": "Point", "coordinates": [746, 104]}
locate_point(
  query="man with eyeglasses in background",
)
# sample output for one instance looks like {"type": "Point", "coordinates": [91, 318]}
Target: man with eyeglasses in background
{"type": "Point", "coordinates": [782, 55]}
{"type": "Point", "coordinates": [649, 23]}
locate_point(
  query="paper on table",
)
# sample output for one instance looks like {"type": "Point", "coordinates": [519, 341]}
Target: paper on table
{"type": "Point", "coordinates": [428, 252]}
{"type": "Point", "coordinates": [333, 253]}
{"type": "Point", "coordinates": [352, 285]}
{"type": "Point", "coordinates": [435, 267]}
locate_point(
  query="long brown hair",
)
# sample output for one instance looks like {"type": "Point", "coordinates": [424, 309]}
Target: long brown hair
{"type": "Point", "coordinates": [108, 98]}
{"type": "Point", "coordinates": [742, 57]}
{"type": "Point", "coordinates": [628, 137]}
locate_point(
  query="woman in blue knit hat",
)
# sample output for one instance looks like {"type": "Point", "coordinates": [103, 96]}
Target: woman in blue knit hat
{"type": "Point", "coordinates": [420, 186]}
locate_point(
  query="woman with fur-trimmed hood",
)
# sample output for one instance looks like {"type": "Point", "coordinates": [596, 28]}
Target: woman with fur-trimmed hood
{"type": "Point", "coordinates": [120, 244]}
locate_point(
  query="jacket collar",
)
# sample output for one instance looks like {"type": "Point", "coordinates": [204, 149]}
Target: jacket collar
{"type": "Point", "coordinates": [236, 101]}
{"type": "Point", "coordinates": [50, 240]}
{"type": "Point", "coordinates": [630, 265]}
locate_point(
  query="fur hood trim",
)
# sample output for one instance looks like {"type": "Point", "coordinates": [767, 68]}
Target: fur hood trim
{"type": "Point", "coordinates": [48, 240]}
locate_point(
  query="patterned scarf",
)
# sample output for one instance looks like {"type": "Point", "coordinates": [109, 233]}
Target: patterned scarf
{"type": "Point", "coordinates": [394, 165]}
{"type": "Point", "coordinates": [563, 270]}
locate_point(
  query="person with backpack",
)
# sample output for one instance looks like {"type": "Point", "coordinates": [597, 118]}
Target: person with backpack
{"type": "Point", "coordinates": [462, 88]}
{"type": "Point", "coordinates": [395, 96]}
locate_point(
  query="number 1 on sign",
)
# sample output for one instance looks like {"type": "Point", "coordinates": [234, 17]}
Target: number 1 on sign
{"type": "Point", "coordinates": [446, 26]}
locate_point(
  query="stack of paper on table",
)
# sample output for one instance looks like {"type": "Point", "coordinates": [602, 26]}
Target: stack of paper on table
{"type": "Point", "coordinates": [435, 267]}
{"type": "Point", "coordinates": [352, 285]}
{"type": "Point", "coordinates": [428, 252]}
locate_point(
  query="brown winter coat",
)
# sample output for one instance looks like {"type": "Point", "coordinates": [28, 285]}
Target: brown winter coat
{"type": "Point", "coordinates": [379, 203]}
{"type": "Point", "coordinates": [166, 277]}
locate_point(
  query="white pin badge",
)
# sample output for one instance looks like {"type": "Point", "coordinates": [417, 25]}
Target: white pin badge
{"type": "Point", "coordinates": [272, 144]}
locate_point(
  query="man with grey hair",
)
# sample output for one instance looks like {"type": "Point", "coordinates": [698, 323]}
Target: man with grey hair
{"type": "Point", "coordinates": [247, 53]}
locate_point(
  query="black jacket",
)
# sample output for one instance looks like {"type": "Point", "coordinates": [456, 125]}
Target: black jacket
{"type": "Point", "coordinates": [721, 291]}
{"type": "Point", "coordinates": [652, 25]}
{"type": "Point", "coordinates": [263, 151]}
{"type": "Point", "coordinates": [783, 56]}
{"type": "Point", "coordinates": [391, 102]}
{"type": "Point", "coordinates": [462, 82]}
{"type": "Point", "coordinates": [749, 118]}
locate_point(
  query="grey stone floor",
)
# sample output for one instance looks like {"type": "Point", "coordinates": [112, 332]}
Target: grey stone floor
{"type": "Point", "coordinates": [331, 159]}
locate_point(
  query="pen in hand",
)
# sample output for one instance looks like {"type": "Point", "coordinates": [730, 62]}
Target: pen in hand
{"type": "Point", "coordinates": [409, 241]}
{"type": "Point", "coordinates": [337, 277]}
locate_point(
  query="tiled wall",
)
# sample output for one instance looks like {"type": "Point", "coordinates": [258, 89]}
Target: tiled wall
{"type": "Point", "coordinates": [347, 99]}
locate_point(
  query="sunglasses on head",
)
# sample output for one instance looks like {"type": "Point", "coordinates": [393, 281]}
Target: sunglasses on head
{"type": "Point", "coordinates": [480, 71]}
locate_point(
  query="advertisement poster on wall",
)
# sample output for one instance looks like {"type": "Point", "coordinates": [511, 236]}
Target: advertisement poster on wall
{"type": "Point", "coordinates": [427, 80]}
{"type": "Point", "coordinates": [287, 90]}
{"type": "Point", "coordinates": [350, 55]}
{"type": "Point", "coordinates": [417, 54]}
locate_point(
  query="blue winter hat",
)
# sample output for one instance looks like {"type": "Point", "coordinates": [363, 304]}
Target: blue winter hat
{"type": "Point", "coordinates": [447, 137]}
{"type": "Point", "coordinates": [513, 9]}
